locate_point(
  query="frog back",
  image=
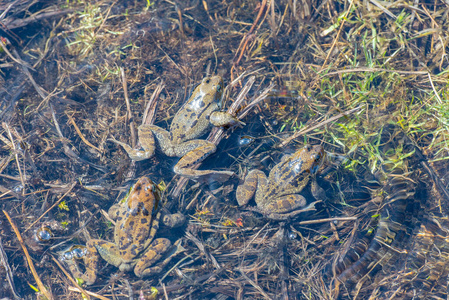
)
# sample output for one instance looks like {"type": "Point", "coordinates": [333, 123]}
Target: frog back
{"type": "Point", "coordinates": [131, 230]}
{"type": "Point", "coordinates": [286, 181]}
{"type": "Point", "coordinates": [191, 121]}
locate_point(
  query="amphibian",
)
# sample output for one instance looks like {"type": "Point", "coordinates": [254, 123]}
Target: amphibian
{"type": "Point", "coordinates": [134, 245]}
{"type": "Point", "coordinates": [278, 194]}
{"type": "Point", "coordinates": [192, 121]}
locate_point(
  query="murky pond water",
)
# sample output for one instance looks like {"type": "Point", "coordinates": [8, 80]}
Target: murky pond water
{"type": "Point", "coordinates": [364, 214]}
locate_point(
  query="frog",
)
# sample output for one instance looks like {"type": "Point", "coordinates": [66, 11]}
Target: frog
{"type": "Point", "coordinates": [278, 195]}
{"type": "Point", "coordinates": [194, 119]}
{"type": "Point", "coordinates": [135, 246]}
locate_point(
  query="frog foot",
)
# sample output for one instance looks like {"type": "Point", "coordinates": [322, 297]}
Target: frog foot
{"type": "Point", "coordinates": [135, 154]}
{"type": "Point", "coordinates": [224, 119]}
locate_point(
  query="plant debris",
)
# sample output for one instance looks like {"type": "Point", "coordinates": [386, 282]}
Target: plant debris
{"type": "Point", "coordinates": [367, 80]}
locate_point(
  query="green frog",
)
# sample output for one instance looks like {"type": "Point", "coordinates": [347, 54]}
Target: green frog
{"type": "Point", "coordinates": [278, 195]}
{"type": "Point", "coordinates": [192, 121]}
{"type": "Point", "coordinates": [134, 247]}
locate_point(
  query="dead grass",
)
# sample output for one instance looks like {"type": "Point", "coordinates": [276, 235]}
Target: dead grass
{"type": "Point", "coordinates": [341, 71]}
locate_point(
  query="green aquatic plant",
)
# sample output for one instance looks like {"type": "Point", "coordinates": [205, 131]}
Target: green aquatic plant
{"type": "Point", "coordinates": [84, 37]}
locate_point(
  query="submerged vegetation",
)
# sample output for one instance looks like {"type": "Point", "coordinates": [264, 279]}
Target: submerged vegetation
{"type": "Point", "coordinates": [367, 80]}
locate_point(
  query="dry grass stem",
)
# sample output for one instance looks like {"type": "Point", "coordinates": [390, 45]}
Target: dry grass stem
{"type": "Point", "coordinates": [70, 188]}
{"type": "Point", "coordinates": [41, 286]}
{"type": "Point", "coordinates": [72, 121]}
{"type": "Point", "coordinates": [130, 117]}
{"type": "Point", "coordinates": [367, 80]}
{"type": "Point", "coordinates": [321, 124]}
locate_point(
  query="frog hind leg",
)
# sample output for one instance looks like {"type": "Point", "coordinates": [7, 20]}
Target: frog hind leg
{"type": "Point", "coordinates": [254, 181]}
{"type": "Point", "coordinates": [285, 204]}
{"type": "Point", "coordinates": [154, 252]}
{"type": "Point", "coordinates": [91, 264]}
{"type": "Point", "coordinates": [151, 132]}
{"type": "Point", "coordinates": [111, 253]}
{"type": "Point", "coordinates": [193, 152]}
{"type": "Point", "coordinates": [146, 140]}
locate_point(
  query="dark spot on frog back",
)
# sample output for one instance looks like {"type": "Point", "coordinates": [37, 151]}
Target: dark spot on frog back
{"type": "Point", "coordinates": [134, 250]}
{"type": "Point", "coordinates": [194, 123]}
{"type": "Point", "coordinates": [298, 179]}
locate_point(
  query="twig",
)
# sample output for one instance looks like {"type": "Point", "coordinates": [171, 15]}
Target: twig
{"type": "Point", "coordinates": [150, 109]}
{"type": "Point", "coordinates": [128, 107]}
{"type": "Point", "coordinates": [189, 282]}
{"type": "Point", "coordinates": [371, 70]}
{"type": "Point", "coordinates": [6, 267]}
{"type": "Point", "coordinates": [41, 286]}
{"type": "Point", "coordinates": [256, 286]}
{"type": "Point", "coordinates": [434, 90]}
{"type": "Point", "coordinates": [165, 291]}
{"type": "Point", "coordinates": [202, 249]}
{"type": "Point", "coordinates": [86, 293]}
{"type": "Point", "coordinates": [244, 41]}
{"type": "Point", "coordinates": [67, 150]}
{"type": "Point", "coordinates": [16, 23]}
{"type": "Point", "coordinates": [16, 155]}
{"type": "Point", "coordinates": [16, 59]}
{"type": "Point", "coordinates": [252, 240]}
{"type": "Point", "coordinates": [338, 35]}
{"type": "Point", "coordinates": [193, 201]}
{"type": "Point", "coordinates": [79, 290]}
{"type": "Point", "coordinates": [307, 130]}
{"type": "Point", "coordinates": [43, 93]}
{"type": "Point", "coordinates": [385, 10]}
{"type": "Point", "coordinates": [8, 9]}
{"type": "Point", "coordinates": [56, 203]}
{"type": "Point", "coordinates": [83, 138]}
{"type": "Point", "coordinates": [327, 220]}
{"type": "Point", "coordinates": [259, 99]}
{"type": "Point", "coordinates": [243, 92]}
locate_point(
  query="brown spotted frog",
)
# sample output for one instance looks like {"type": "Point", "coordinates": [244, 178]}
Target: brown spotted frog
{"type": "Point", "coordinates": [192, 121]}
{"type": "Point", "coordinates": [277, 197]}
{"type": "Point", "coordinates": [134, 245]}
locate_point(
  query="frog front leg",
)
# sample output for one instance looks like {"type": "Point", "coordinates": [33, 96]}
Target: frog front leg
{"type": "Point", "coordinates": [195, 151]}
{"type": "Point", "coordinates": [317, 191]}
{"type": "Point", "coordinates": [255, 180]}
